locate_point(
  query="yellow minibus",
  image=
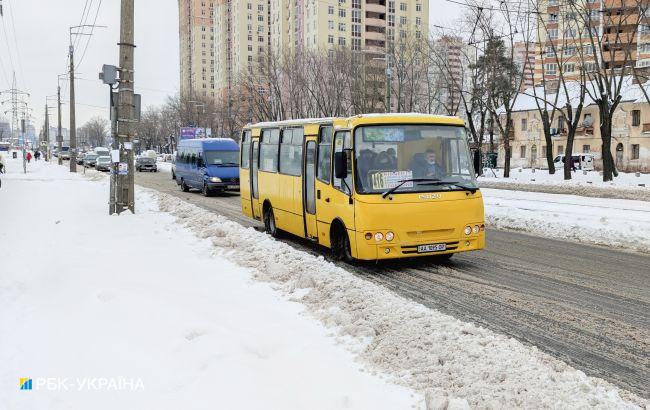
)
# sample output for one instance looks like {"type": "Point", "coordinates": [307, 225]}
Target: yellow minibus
{"type": "Point", "coordinates": [369, 187]}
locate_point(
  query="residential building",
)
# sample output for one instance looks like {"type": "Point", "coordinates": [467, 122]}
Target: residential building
{"type": "Point", "coordinates": [453, 73]}
{"type": "Point", "coordinates": [524, 56]}
{"type": "Point", "coordinates": [568, 34]}
{"type": "Point", "coordinates": [630, 133]}
{"type": "Point", "coordinates": [197, 48]}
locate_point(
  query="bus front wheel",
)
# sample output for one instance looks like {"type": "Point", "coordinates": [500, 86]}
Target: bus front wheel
{"type": "Point", "coordinates": [269, 223]}
{"type": "Point", "coordinates": [340, 247]}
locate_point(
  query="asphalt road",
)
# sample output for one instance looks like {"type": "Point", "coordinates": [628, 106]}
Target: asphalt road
{"type": "Point", "coordinates": [585, 305]}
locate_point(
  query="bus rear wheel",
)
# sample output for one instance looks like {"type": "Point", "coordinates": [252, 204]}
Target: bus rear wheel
{"type": "Point", "coordinates": [269, 223]}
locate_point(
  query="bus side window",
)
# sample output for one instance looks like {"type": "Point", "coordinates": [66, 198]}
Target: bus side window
{"type": "Point", "coordinates": [325, 154]}
{"type": "Point", "coordinates": [342, 140]}
{"type": "Point", "coordinates": [245, 150]}
{"type": "Point", "coordinates": [269, 147]}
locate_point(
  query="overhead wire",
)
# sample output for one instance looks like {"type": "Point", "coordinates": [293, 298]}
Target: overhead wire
{"type": "Point", "coordinates": [13, 26]}
{"type": "Point", "coordinates": [92, 30]}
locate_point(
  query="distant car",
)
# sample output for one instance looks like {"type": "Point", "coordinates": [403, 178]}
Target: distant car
{"type": "Point", "coordinates": [80, 158]}
{"type": "Point", "coordinates": [103, 163]}
{"type": "Point", "coordinates": [146, 164]}
{"type": "Point", "coordinates": [90, 160]}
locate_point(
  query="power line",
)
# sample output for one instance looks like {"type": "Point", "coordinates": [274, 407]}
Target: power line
{"type": "Point", "coordinates": [83, 20]}
{"type": "Point", "coordinates": [92, 29]}
{"type": "Point", "coordinates": [13, 25]}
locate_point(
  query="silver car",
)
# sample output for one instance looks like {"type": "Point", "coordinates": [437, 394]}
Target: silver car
{"type": "Point", "coordinates": [103, 164]}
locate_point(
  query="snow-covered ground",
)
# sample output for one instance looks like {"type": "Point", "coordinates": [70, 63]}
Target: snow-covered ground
{"type": "Point", "coordinates": [588, 183]}
{"type": "Point", "coordinates": [141, 302]}
{"type": "Point", "coordinates": [618, 223]}
{"type": "Point", "coordinates": [209, 314]}
{"type": "Point", "coordinates": [164, 166]}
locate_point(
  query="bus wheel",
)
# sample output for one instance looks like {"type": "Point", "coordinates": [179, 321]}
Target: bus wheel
{"type": "Point", "coordinates": [269, 223]}
{"type": "Point", "coordinates": [341, 246]}
{"type": "Point", "coordinates": [184, 186]}
{"type": "Point", "coordinates": [206, 191]}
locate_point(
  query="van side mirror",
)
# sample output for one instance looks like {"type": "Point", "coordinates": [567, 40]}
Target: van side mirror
{"type": "Point", "coordinates": [341, 164]}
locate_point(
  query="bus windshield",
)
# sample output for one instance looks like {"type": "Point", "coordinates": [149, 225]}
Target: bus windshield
{"type": "Point", "coordinates": [222, 158]}
{"type": "Point", "coordinates": [436, 156]}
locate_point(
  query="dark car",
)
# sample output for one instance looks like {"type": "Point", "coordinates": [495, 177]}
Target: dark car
{"type": "Point", "coordinates": [90, 160]}
{"type": "Point", "coordinates": [146, 164]}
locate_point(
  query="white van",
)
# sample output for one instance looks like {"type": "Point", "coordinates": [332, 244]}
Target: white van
{"type": "Point", "coordinates": [583, 162]}
{"type": "Point", "coordinates": [102, 152]}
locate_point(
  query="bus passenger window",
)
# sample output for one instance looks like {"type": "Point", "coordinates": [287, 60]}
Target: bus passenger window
{"type": "Point", "coordinates": [269, 150]}
{"type": "Point", "coordinates": [246, 150]}
{"type": "Point", "coordinates": [291, 152]}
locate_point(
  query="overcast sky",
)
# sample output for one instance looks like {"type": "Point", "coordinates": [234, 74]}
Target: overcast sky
{"type": "Point", "coordinates": [41, 38]}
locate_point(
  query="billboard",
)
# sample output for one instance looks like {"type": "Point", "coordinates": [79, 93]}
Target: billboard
{"type": "Point", "coordinates": [188, 133]}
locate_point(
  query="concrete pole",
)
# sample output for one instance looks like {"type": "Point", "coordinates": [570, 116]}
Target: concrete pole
{"type": "Point", "coordinates": [59, 137]}
{"type": "Point", "coordinates": [46, 154]}
{"type": "Point", "coordinates": [73, 125]}
{"type": "Point", "coordinates": [125, 183]}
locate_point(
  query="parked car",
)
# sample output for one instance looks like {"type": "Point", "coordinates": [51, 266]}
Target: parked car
{"type": "Point", "coordinates": [580, 161]}
{"type": "Point", "coordinates": [90, 160]}
{"type": "Point", "coordinates": [146, 164]}
{"type": "Point", "coordinates": [65, 153]}
{"type": "Point", "coordinates": [209, 164]}
{"type": "Point", "coordinates": [103, 163]}
{"type": "Point", "coordinates": [80, 158]}
{"type": "Point", "coordinates": [102, 152]}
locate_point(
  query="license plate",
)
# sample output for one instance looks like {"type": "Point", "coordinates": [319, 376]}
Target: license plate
{"type": "Point", "coordinates": [437, 247]}
{"type": "Point", "coordinates": [232, 187]}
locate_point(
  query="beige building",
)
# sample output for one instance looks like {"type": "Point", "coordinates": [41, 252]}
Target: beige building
{"type": "Point", "coordinates": [196, 35]}
{"type": "Point", "coordinates": [630, 136]}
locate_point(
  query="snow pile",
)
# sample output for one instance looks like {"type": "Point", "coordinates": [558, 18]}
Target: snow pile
{"type": "Point", "coordinates": [456, 364]}
{"type": "Point", "coordinates": [87, 296]}
{"type": "Point", "coordinates": [164, 166]}
{"type": "Point", "coordinates": [589, 183]}
{"type": "Point", "coordinates": [611, 222]}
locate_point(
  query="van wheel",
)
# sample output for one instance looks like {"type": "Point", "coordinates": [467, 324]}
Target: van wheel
{"type": "Point", "coordinates": [269, 223]}
{"type": "Point", "coordinates": [184, 186]}
{"type": "Point", "coordinates": [340, 247]}
{"type": "Point", "coordinates": [173, 176]}
{"type": "Point", "coordinates": [205, 191]}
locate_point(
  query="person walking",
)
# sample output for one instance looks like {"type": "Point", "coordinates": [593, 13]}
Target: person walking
{"type": "Point", "coordinates": [2, 165]}
{"type": "Point", "coordinates": [29, 157]}
{"type": "Point", "coordinates": [37, 155]}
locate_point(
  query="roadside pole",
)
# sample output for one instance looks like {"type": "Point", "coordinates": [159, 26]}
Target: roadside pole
{"type": "Point", "coordinates": [59, 137]}
{"type": "Point", "coordinates": [73, 124]}
{"type": "Point", "coordinates": [125, 183]}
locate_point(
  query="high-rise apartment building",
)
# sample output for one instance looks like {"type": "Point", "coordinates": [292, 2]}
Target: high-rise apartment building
{"type": "Point", "coordinates": [575, 36]}
{"type": "Point", "coordinates": [221, 39]}
{"type": "Point", "coordinates": [197, 48]}
{"type": "Point", "coordinates": [524, 56]}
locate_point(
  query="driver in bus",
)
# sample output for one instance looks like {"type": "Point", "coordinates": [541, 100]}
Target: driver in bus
{"type": "Point", "coordinates": [431, 168]}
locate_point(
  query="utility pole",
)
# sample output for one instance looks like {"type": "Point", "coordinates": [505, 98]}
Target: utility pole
{"type": "Point", "coordinates": [73, 124]}
{"type": "Point", "coordinates": [46, 135]}
{"type": "Point", "coordinates": [125, 183]}
{"type": "Point", "coordinates": [59, 136]}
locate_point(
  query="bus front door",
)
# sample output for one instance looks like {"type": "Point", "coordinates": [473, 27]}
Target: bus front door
{"type": "Point", "coordinates": [309, 191]}
{"type": "Point", "coordinates": [255, 192]}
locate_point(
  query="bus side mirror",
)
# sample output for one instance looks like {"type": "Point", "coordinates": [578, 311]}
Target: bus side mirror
{"type": "Point", "coordinates": [340, 165]}
{"type": "Point", "coordinates": [477, 162]}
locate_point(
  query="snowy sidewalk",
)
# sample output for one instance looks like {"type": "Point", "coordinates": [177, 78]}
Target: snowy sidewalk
{"type": "Point", "coordinates": [138, 300]}
{"type": "Point", "coordinates": [617, 223]}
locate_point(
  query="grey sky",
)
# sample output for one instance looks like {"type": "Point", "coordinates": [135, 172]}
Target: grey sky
{"type": "Point", "coordinates": [41, 28]}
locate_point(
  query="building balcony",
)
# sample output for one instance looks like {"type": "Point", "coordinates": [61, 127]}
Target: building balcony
{"type": "Point", "coordinates": [376, 8]}
{"type": "Point", "coordinates": [370, 35]}
{"type": "Point", "coordinates": [376, 22]}
{"type": "Point", "coordinates": [646, 128]}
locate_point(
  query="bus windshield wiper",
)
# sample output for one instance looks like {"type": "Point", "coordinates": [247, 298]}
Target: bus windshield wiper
{"type": "Point", "coordinates": [402, 182]}
{"type": "Point", "coordinates": [453, 183]}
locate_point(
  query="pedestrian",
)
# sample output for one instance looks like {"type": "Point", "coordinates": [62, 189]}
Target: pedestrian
{"type": "Point", "coordinates": [37, 155]}
{"type": "Point", "coordinates": [2, 165]}
{"type": "Point", "coordinates": [29, 157]}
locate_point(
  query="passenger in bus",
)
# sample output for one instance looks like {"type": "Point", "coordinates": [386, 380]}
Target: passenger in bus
{"type": "Point", "coordinates": [393, 157]}
{"type": "Point", "coordinates": [365, 163]}
{"type": "Point", "coordinates": [384, 162]}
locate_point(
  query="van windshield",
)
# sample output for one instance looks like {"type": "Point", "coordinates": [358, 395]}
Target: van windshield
{"type": "Point", "coordinates": [222, 158]}
{"type": "Point", "coordinates": [437, 155]}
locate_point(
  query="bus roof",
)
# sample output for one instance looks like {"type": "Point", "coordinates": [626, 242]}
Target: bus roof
{"type": "Point", "coordinates": [361, 119]}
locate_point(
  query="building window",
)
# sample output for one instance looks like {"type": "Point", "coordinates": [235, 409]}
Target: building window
{"type": "Point", "coordinates": [586, 149]}
{"type": "Point", "coordinates": [552, 34]}
{"type": "Point", "coordinates": [341, 26]}
{"type": "Point", "coordinates": [635, 151]}
{"type": "Point", "coordinates": [402, 6]}
{"type": "Point", "coordinates": [636, 118]}
{"type": "Point", "coordinates": [330, 24]}
{"type": "Point", "coordinates": [330, 39]}
{"type": "Point", "coordinates": [551, 68]}
{"type": "Point", "coordinates": [524, 124]}
{"type": "Point", "coordinates": [391, 7]}
{"type": "Point", "coordinates": [560, 150]}
{"type": "Point", "coordinates": [342, 13]}
{"type": "Point", "coordinates": [342, 41]}
{"type": "Point", "coordinates": [330, 10]}
{"type": "Point", "coordinates": [522, 151]}
{"type": "Point", "coordinates": [418, 7]}
{"type": "Point", "coordinates": [402, 20]}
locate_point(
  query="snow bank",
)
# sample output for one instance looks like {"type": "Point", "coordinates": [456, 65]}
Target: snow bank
{"type": "Point", "coordinates": [590, 183]}
{"type": "Point", "coordinates": [610, 222]}
{"type": "Point", "coordinates": [456, 364]}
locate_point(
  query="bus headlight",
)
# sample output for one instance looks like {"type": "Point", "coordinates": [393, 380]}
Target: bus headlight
{"type": "Point", "coordinates": [390, 236]}
{"type": "Point", "coordinates": [468, 230]}
{"type": "Point", "coordinates": [379, 236]}
{"type": "Point", "coordinates": [476, 229]}
{"type": "Point", "coordinates": [215, 179]}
